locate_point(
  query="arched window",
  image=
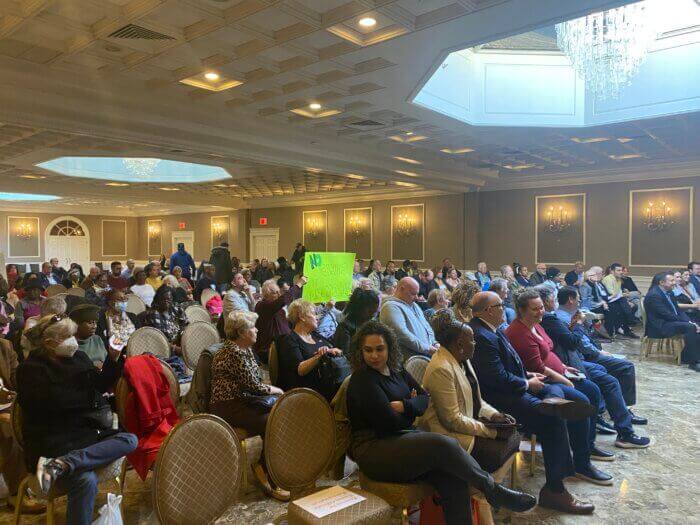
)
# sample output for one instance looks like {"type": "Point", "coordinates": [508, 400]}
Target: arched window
{"type": "Point", "coordinates": [67, 228]}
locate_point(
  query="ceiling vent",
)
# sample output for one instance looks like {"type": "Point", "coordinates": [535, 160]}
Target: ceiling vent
{"type": "Point", "coordinates": [132, 31]}
{"type": "Point", "coordinates": [366, 125]}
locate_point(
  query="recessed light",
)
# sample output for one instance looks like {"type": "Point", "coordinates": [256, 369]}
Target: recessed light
{"type": "Point", "coordinates": [457, 151]}
{"type": "Point", "coordinates": [211, 76]}
{"type": "Point", "coordinates": [355, 176]}
{"type": "Point", "coordinates": [169, 189]}
{"type": "Point", "coordinates": [32, 177]}
{"type": "Point", "coordinates": [406, 184]}
{"type": "Point", "coordinates": [315, 110]}
{"type": "Point", "coordinates": [517, 167]}
{"type": "Point", "coordinates": [409, 161]}
{"type": "Point", "coordinates": [221, 185]}
{"type": "Point", "coordinates": [315, 106]}
{"type": "Point", "coordinates": [624, 140]}
{"type": "Point", "coordinates": [407, 173]}
{"type": "Point", "coordinates": [367, 21]}
{"type": "Point", "coordinates": [409, 133]}
{"type": "Point", "coordinates": [625, 157]}
{"type": "Point", "coordinates": [117, 184]}
{"type": "Point", "coordinates": [407, 137]}
{"type": "Point", "coordinates": [313, 170]}
{"type": "Point", "coordinates": [589, 140]}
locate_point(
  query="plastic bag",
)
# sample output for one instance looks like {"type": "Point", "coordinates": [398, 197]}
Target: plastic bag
{"type": "Point", "coordinates": [110, 513]}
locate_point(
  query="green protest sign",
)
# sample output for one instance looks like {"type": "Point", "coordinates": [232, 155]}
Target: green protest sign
{"type": "Point", "coordinates": [329, 275]}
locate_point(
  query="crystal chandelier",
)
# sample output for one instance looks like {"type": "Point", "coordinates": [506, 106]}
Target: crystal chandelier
{"type": "Point", "coordinates": [141, 168]}
{"type": "Point", "coordinates": [607, 48]}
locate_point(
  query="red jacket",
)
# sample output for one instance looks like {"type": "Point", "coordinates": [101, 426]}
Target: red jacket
{"type": "Point", "coordinates": [150, 413]}
{"type": "Point", "coordinates": [535, 352]}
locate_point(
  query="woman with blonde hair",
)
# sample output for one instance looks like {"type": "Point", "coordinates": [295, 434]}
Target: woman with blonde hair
{"type": "Point", "coordinates": [461, 299]}
{"type": "Point", "coordinates": [67, 421]}
{"type": "Point", "coordinates": [238, 394]}
{"type": "Point", "coordinates": [302, 350]}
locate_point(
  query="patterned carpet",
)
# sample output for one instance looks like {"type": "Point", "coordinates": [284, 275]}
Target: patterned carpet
{"type": "Point", "coordinates": [659, 485]}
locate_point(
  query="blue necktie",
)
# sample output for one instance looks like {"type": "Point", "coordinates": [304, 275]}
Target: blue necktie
{"type": "Point", "coordinates": [670, 300]}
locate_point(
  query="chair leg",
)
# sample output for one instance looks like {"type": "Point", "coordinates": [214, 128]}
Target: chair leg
{"type": "Point", "coordinates": [49, 511]}
{"type": "Point", "coordinates": [514, 471]}
{"type": "Point", "coordinates": [533, 447]}
{"type": "Point", "coordinates": [21, 491]}
{"type": "Point", "coordinates": [244, 459]}
{"type": "Point", "coordinates": [404, 516]}
{"type": "Point", "coordinates": [121, 479]}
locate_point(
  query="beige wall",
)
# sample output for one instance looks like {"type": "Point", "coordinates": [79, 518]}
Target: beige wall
{"type": "Point", "coordinates": [200, 224]}
{"type": "Point", "coordinates": [507, 223]}
{"type": "Point", "coordinates": [94, 227]}
{"type": "Point", "coordinates": [444, 226]}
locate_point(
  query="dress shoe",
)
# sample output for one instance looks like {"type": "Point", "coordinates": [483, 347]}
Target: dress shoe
{"type": "Point", "coordinates": [594, 475]}
{"type": "Point", "coordinates": [631, 440]}
{"type": "Point", "coordinates": [605, 428]}
{"type": "Point", "coordinates": [695, 366]}
{"type": "Point", "coordinates": [564, 502]}
{"type": "Point", "coordinates": [598, 454]}
{"type": "Point", "coordinates": [638, 420]}
{"type": "Point", "coordinates": [565, 409]}
{"type": "Point", "coordinates": [510, 499]}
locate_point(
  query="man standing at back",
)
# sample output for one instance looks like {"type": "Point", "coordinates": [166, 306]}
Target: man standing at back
{"type": "Point", "coordinates": [402, 313]}
{"type": "Point", "coordinates": [184, 260]}
{"type": "Point", "coordinates": [220, 258]}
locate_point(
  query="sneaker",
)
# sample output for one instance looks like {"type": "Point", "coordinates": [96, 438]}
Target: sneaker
{"type": "Point", "coordinates": [638, 420]}
{"type": "Point", "coordinates": [598, 454]}
{"type": "Point", "coordinates": [48, 470]}
{"type": "Point", "coordinates": [595, 476]}
{"type": "Point", "coordinates": [605, 428]}
{"type": "Point", "coordinates": [631, 440]}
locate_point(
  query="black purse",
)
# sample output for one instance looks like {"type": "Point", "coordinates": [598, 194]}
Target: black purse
{"type": "Point", "coordinates": [260, 403]}
{"type": "Point", "coordinates": [99, 418]}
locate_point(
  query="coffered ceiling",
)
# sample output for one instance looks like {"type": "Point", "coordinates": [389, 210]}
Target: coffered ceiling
{"type": "Point", "coordinates": [218, 82]}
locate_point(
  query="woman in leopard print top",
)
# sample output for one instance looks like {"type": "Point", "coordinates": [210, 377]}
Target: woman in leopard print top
{"type": "Point", "coordinates": [234, 373]}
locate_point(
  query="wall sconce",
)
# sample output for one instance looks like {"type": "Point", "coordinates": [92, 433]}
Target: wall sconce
{"type": "Point", "coordinates": [24, 231]}
{"type": "Point", "coordinates": [657, 217]}
{"type": "Point", "coordinates": [313, 227]}
{"type": "Point", "coordinates": [557, 220]}
{"type": "Point", "coordinates": [153, 231]}
{"type": "Point", "coordinates": [356, 226]}
{"type": "Point", "coordinates": [405, 225]}
{"type": "Point", "coordinates": [218, 229]}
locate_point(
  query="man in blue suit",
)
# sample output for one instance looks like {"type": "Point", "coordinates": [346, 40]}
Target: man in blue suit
{"type": "Point", "coordinates": [694, 269]}
{"type": "Point", "coordinates": [568, 345]}
{"type": "Point", "coordinates": [665, 319]}
{"type": "Point", "coordinates": [505, 385]}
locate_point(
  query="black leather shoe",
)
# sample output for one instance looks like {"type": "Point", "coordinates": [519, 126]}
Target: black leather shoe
{"type": "Point", "coordinates": [695, 366]}
{"type": "Point", "coordinates": [594, 475]}
{"type": "Point", "coordinates": [598, 454]}
{"type": "Point", "coordinates": [565, 409]}
{"type": "Point", "coordinates": [638, 420]}
{"type": "Point", "coordinates": [605, 428]}
{"type": "Point", "coordinates": [510, 499]}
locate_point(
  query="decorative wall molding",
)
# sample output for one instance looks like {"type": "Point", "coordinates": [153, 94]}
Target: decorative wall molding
{"type": "Point", "coordinates": [370, 228]}
{"type": "Point", "coordinates": [36, 222]}
{"type": "Point", "coordinates": [393, 219]}
{"type": "Point", "coordinates": [157, 238]}
{"type": "Point", "coordinates": [126, 244]}
{"type": "Point", "coordinates": [324, 226]}
{"type": "Point", "coordinates": [538, 227]}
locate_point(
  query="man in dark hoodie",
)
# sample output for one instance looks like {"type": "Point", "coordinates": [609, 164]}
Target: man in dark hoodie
{"type": "Point", "coordinates": [220, 258]}
{"type": "Point", "coordinates": [184, 260]}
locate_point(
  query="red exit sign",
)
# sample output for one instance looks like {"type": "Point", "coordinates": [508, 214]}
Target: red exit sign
{"type": "Point", "coordinates": [263, 221]}
{"type": "Point", "coordinates": [181, 225]}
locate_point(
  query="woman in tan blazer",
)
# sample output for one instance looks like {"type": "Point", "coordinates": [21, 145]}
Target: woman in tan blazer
{"type": "Point", "coordinates": [456, 406]}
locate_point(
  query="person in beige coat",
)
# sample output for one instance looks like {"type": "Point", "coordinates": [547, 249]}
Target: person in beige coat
{"type": "Point", "coordinates": [456, 407]}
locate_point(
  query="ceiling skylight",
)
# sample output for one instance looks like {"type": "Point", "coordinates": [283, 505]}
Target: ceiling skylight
{"type": "Point", "coordinates": [527, 80]}
{"type": "Point", "coordinates": [115, 169]}
{"type": "Point", "coordinates": [5, 196]}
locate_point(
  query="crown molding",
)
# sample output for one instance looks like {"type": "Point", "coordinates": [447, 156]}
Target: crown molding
{"type": "Point", "coordinates": [344, 199]}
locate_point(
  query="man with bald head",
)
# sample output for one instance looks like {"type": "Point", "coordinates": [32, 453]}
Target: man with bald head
{"type": "Point", "coordinates": [510, 389]}
{"type": "Point", "coordinates": [402, 313]}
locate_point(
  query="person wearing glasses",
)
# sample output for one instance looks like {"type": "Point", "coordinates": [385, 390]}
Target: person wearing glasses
{"type": "Point", "coordinates": [507, 387]}
{"type": "Point", "coordinates": [67, 421]}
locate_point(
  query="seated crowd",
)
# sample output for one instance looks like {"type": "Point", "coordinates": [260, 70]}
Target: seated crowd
{"type": "Point", "coordinates": [508, 355]}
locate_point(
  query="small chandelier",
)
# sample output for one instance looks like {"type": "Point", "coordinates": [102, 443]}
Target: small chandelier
{"type": "Point", "coordinates": [24, 231]}
{"type": "Point", "coordinates": [405, 225]}
{"type": "Point", "coordinates": [558, 220]}
{"type": "Point", "coordinates": [355, 226]}
{"type": "Point", "coordinates": [140, 168]}
{"type": "Point", "coordinates": [657, 217]}
{"type": "Point", "coordinates": [218, 228]}
{"type": "Point", "coordinates": [607, 48]}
